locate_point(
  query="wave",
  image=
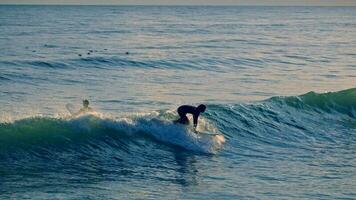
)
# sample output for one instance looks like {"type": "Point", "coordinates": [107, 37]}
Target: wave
{"type": "Point", "coordinates": [342, 101]}
{"type": "Point", "coordinates": [298, 123]}
{"type": "Point", "coordinates": [47, 64]}
{"type": "Point", "coordinates": [301, 123]}
{"type": "Point", "coordinates": [2, 78]}
{"type": "Point", "coordinates": [53, 64]}
{"type": "Point", "coordinates": [93, 130]}
{"type": "Point", "coordinates": [124, 62]}
{"type": "Point", "coordinates": [109, 62]}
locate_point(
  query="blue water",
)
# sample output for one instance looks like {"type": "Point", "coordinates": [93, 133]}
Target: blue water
{"type": "Point", "coordinates": [279, 84]}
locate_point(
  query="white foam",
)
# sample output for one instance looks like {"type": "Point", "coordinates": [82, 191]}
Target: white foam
{"type": "Point", "coordinates": [164, 130]}
{"type": "Point", "coordinates": [157, 125]}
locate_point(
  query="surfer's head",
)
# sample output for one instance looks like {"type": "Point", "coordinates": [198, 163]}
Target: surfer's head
{"type": "Point", "coordinates": [201, 108]}
{"type": "Point", "coordinates": [85, 103]}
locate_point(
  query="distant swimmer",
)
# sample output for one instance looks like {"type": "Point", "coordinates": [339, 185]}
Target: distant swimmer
{"type": "Point", "coordinates": [186, 109]}
{"type": "Point", "coordinates": [85, 108]}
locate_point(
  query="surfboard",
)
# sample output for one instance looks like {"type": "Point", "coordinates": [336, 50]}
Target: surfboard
{"type": "Point", "coordinates": [206, 133]}
{"type": "Point", "coordinates": [71, 108]}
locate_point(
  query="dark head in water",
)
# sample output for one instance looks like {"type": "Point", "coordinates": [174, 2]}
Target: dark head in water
{"type": "Point", "coordinates": [186, 109]}
{"type": "Point", "coordinates": [85, 108]}
{"type": "Point", "coordinates": [85, 103]}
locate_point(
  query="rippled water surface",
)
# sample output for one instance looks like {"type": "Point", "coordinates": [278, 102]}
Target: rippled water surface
{"type": "Point", "coordinates": [279, 85]}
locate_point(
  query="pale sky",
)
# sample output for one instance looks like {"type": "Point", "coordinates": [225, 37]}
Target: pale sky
{"type": "Point", "coordinates": [187, 2]}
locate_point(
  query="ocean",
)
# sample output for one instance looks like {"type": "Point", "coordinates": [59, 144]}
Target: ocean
{"type": "Point", "coordinates": [279, 84]}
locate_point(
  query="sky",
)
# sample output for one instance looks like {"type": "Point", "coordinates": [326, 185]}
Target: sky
{"type": "Point", "coordinates": [188, 2]}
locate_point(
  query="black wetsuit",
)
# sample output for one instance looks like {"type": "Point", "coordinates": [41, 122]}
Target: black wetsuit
{"type": "Point", "coordinates": [184, 110]}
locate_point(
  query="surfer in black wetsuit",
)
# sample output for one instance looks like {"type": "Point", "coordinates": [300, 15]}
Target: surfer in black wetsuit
{"type": "Point", "coordinates": [186, 109]}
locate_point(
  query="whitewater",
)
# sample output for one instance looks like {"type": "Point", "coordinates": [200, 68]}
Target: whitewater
{"type": "Point", "coordinates": [278, 83]}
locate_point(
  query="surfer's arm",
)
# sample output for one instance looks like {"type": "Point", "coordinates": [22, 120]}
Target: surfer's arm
{"type": "Point", "coordinates": [195, 120]}
{"type": "Point", "coordinates": [78, 113]}
{"type": "Point", "coordinates": [84, 110]}
{"type": "Point", "coordinates": [81, 111]}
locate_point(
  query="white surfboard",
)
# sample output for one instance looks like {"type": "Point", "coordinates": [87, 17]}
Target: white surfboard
{"type": "Point", "coordinates": [71, 108]}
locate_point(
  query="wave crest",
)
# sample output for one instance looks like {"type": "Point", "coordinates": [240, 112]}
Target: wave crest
{"type": "Point", "coordinates": [343, 101]}
{"type": "Point", "coordinates": [94, 129]}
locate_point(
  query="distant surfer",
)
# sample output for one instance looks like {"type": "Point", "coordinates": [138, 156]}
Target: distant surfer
{"type": "Point", "coordinates": [187, 109]}
{"type": "Point", "coordinates": [85, 108]}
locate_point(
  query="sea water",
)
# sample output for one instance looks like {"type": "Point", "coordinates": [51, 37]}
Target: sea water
{"type": "Point", "coordinates": [278, 82]}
